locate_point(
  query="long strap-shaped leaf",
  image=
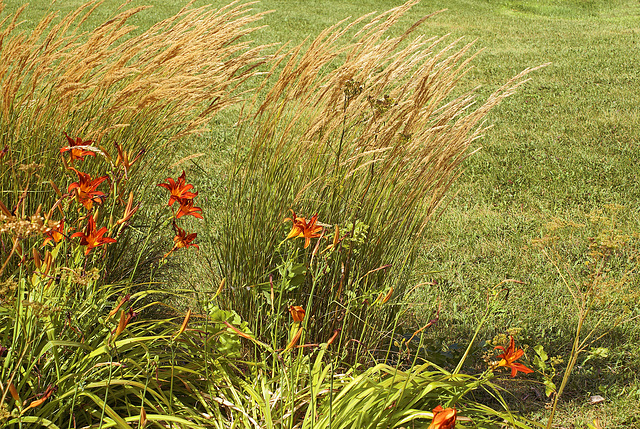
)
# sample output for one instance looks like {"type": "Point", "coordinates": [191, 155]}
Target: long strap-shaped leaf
{"type": "Point", "coordinates": [117, 420]}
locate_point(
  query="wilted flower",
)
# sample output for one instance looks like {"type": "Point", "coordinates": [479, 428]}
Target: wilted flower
{"type": "Point", "coordinates": [179, 190]}
{"type": "Point", "coordinates": [77, 153]}
{"type": "Point", "coordinates": [443, 418]}
{"type": "Point", "coordinates": [92, 238]}
{"type": "Point", "coordinates": [508, 358]}
{"type": "Point", "coordinates": [85, 189]}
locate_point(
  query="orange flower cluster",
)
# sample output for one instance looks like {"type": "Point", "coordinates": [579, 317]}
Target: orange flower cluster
{"type": "Point", "coordinates": [302, 228]}
{"type": "Point", "coordinates": [86, 193]}
{"type": "Point", "coordinates": [181, 192]}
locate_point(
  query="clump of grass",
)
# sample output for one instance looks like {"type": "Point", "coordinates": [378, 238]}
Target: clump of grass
{"type": "Point", "coordinates": [368, 133]}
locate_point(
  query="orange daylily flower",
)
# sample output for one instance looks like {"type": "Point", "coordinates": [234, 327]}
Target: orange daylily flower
{"type": "Point", "coordinates": [187, 208]}
{"type": "Point", "coordinates": [297, 313]}
{"type": "Point", "coordinates": [443, 418]}
{"type": "Point", "coordinates": [85, 189]}
{"type": "Point", "coordinates": [55, 234]}
{"type": "Point", "coordinates": [92, 238]}
{"type": "Point", "coordinates": [77, 154]}
{"type": "Point", "coordinates": [179, 190]}
{"type": "Point", "coordinates": [508, 358]}
{"type": "Point", "coordinates": [182, 240]}
{"type": "Point", "coordinates": [302, 228]}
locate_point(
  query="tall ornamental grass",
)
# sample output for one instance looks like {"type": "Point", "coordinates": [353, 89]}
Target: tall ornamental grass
{"type": "Point", "coordinates": [366, 130]}
{"type": "Point", "coordinates": [129, 96]}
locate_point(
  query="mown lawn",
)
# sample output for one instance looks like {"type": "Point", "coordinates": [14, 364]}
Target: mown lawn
{"type": "Point", "coordinates": [564, 148]}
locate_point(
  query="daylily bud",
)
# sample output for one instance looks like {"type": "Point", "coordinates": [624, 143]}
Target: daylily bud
{"type": "Point", "coordinates": [183, 327]}
{"type": "Point", "coordinates": [143, 418]}
{"type": "Point", "coordinates": [295, 339]}
{"type": "Point", "coordinates": [333, 337]}
{"type": "Point", "coordinates": [14, 394]}
{"type": "Point", "coordinates": [36, 259]}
